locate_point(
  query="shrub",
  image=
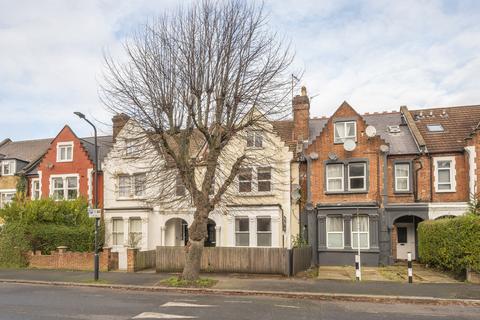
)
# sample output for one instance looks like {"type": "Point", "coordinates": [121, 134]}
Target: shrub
{"type": "Point", "coordinates": [44, 225]}
{"type": "Point", "coordinates": [451, 244]}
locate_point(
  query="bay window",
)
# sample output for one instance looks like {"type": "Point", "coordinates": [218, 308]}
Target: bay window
{"type": "Point", "coordinates": [264, 232]}
{"type": "Point", "coordinates": [35, 189]}
{"type": "Point", "coordinates": [335, 232]}
{"type": "Point", "coordinates": [242, 232]}
{"type": "Point", "coordinates": [360, 231]}
{"type": "Point", "coordinates": [64, 187]}
{"type": "Point", "coordinates": [135, 232]}
{"type": "Point", "coordinates": [117, 232]}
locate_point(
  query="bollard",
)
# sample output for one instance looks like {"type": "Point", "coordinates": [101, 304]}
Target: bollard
{"type": "Point", "coordinates": [358, 274]}
{"type": "Point", "coordinates": [410, 270]}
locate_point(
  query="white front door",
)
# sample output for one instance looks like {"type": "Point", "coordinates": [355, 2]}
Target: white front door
{"type": "Point", "coordinates": [122, 257]}
{"type": "Point", "coordinates": [405, 240]}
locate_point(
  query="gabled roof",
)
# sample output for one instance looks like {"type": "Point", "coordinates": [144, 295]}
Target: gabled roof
{"type": "Point", "coordinates": [104, 144]}
{"type": "Point", "coordinates": [458, 123]}
{"type": "Point", "coordinates": [400, 142]}
{"type": "Point", "coordinates": [284, 129]}
{"type": "Point", "coordinates": [26, 150]}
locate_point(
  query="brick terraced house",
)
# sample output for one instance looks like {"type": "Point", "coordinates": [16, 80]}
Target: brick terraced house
{"type": "Point", "coordinates": [375, 177]}
{"type": "Point", "coordinates": [65, 170]}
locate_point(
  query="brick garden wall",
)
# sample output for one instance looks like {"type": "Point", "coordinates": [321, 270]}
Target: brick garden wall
{"type": "Point", "coordinates": [65, 260]}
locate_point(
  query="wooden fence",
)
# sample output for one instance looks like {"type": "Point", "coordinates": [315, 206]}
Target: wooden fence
{"type": "Point", "coordinates": [235, 259]}
{"type": "Point", "coordinates": [301, 259]}
{"type": "Point", "coordinates": [145, 259]}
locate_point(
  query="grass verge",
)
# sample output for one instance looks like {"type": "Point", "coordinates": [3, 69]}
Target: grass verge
{"type": "Point", "coordinates": [180, 283]}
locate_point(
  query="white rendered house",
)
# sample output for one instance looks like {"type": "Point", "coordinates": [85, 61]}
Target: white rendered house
{"type": "Point", "coordinates": [256, 212]}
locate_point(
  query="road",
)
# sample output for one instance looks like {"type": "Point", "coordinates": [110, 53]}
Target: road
{"type": "Point", "coordinates": [21, 301]}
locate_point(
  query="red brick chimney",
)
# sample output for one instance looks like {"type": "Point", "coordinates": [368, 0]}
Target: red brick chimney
{"type": "Point", "coordinates": [301, 115]}
{"type": "Point", "coordinates": [118, 122]}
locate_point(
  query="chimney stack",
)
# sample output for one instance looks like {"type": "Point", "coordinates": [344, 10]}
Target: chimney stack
{"type": "Point", "coordinates": [118, 122]}
{"type": "Point", "coordinates": [301, 115]}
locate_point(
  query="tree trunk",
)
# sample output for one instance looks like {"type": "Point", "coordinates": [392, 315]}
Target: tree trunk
{"type": "Point", "coordinates": [193, 258]}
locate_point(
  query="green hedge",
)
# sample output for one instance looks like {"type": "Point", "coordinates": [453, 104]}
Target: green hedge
{"type": "Point", "coordinates": [45, 225]}
{"type": "Point", "coordinates": [451, 244]}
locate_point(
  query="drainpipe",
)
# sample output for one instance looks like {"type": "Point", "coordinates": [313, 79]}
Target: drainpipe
{"type": "Point", "coordinates": [310, 210]}
{"type": "Point", "coordinates": [415, 177]}
{"type": "Point", "coordinates": [430, 158]}
{"type": "Point", "coordinates": [385, 173]}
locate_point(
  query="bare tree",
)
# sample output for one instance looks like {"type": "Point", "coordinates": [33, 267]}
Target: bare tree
{"type": "Point", "coordinates": [194, 80]}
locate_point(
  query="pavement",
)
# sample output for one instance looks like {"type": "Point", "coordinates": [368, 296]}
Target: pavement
{"type": "Point", "coordinates": [34, 302]}
{"type": "Point", "coordinates": [264, 285]}
{"type": "Point", "coordinates": [397, 272]}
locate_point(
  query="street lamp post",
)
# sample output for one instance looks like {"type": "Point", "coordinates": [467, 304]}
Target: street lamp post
{"type": "Point", "coordinates": [95, 203]}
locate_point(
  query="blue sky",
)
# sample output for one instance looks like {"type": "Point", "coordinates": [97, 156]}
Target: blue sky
{"type": "Point", "coordinates": [377, 55]}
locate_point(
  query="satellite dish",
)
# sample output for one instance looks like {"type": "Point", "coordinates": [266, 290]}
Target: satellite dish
{"type": "Point", "coordinates": [349, 145]}
{"type": "Point", "coordinates": [332, 156]}
{"type": "Point", "coordinates": [371, 131]}
{"type": "Point", "coordinates": [384, 148]}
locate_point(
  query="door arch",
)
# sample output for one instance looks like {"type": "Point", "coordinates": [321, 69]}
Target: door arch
{"type": "Point", "coordinates": [176, 232]}
{"type": "Point", "coordinates": [404, 237]}
{"type": "Point", "coordinates": [211, 240]}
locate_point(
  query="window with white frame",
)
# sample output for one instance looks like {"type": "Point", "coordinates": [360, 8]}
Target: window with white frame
{"type": "Point", "coordinates": [124, 186]}
{"type": "Point", "coordinates": [335, 232]}
{"type": "Point", "coordinates": [357, 176]}
{"type": "Point", "coordinates": [7, 167]}
{"type": "Point", "coordinates": [245, 180]}
{"type": "Point", "coordinates": [131, 147]}
{"type": "Point", "coordinates": [35, 189]}
{"type": "Point", "coordinates": [360, 230]}
{"type": "Point", "coordinates": [335, 177]}
{"type": "Point", "coordinates": [345, 130]}
{"type": "Point", "coordinates": [64, 187]}
{"type": "Point", "coordinates": [135, 232]}
{"type": "Point", "coordinates": [117, 232]}
{"type": "Point", "coordinates": [64, 151]}
{"type": "Point", "coordinates": [180, 189]}
{"type": "Point", "coordinates": [264, 232]}
{"type": "Point", "coordinates": [402, 177]}
{"type": "Point", "coordinates": [254, 139]}
{"type": "Point", "coordinates": [264, 179]}
{"type": "Point", "coordinates": [132, 185]}
{"type": "Point", "coordinates": [242, 232]}
{"type": "Point", "coordinates": [6, 198]}
{"type": "Point", "coordinates": [444, 174]}
{"type": "Point", "coordinates": [139, 182]}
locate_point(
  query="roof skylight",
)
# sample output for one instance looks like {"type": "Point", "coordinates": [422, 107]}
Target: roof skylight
{"type": "Point", "coordinates": [435, 128]}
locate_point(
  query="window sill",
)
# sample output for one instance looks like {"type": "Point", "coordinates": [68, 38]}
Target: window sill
{"type": "Point", "coordinates": [254, 148]}
{"type": "Point", "coordinates": [402, 193]}
{"type": "Point", "coordinates": [64, 160]}
{"type": "Point", "coordinates": [445, 191]}
{"type": "Point", "coordinates": [346, 192]}
{"type": "Point", "coordinates": [130, 199]}
{"type": "Point", "coordinates": [255, 194]}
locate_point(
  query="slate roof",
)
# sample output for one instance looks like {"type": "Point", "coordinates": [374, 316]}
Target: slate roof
{"type": "Point", "coordinates": [458, 123]}
{"type": "Point", "coordinates": [401, 142]}
{"type": "Point", "coordinates": [104, 144]}
{"type": "Point", "coordinates": [26, 150]}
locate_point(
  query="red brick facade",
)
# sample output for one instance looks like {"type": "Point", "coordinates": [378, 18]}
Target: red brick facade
{"type": "Point", "coordinates": [80, 166]}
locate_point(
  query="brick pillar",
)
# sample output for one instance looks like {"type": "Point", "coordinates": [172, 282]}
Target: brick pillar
{"type": "Point", "coordinates": [394, 241]}
{"type": "Point", "coordinates": [105, 259]}
{"type": "Point", "coordinates": [60, 257]}
{"type": "Point", "coordinates": [131, 257]}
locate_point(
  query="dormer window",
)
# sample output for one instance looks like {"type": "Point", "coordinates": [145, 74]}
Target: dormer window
{"type": "Point", "coordinates": [64, 151]}
{"type": "Point", "coordinates": [254, 139]}
{"type": "Point", "coordinates": [435, 128]}
{"type": "Point", "coordinates": [7, 167]}
{"type": "Point", "coordinates": [345, 130]}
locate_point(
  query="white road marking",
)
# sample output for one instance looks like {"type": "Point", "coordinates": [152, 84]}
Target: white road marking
{"type": "Point", "coordinates": [284, 306]}
{"type": "Point", "coordinates": [185, 305]}
{"type": "Point", "coordinates": [154, 315]}
{"type": "Point", "coordinates": [186, 300]}
{"type": "Point", "coordinates": [238, 301]}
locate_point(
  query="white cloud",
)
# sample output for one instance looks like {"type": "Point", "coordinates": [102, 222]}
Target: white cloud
{"type": "Point", "coordinates": [377, 55]}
